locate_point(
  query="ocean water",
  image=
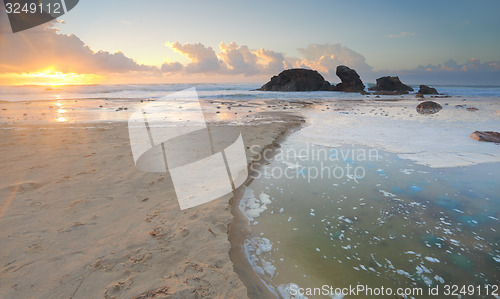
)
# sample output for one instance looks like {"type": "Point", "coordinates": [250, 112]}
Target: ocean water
{"type": "Point", "coordinates": [205, 91]}
{"type": "Point", "coordinates": [109, 103]}
{"type": "Point", "coordinates": [354, 215]}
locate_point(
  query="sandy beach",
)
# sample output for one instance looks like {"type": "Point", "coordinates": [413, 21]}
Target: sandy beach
{"type": "Point", "coordinates": [80, 221]}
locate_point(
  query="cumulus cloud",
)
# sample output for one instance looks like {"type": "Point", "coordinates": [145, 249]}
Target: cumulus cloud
{"type": "Point", "coordinates": [242, 60]}
{"type": "Point", "coordinates": [400, 35]}
{"type": "Point", "coordinates": [326, 57]}
{"type": "Point", "coordinates": [230, 60]}
{"type": "Point", "coordinates": [239, 60]}
{"type": "Point", "coordinates": [42, 46]}
{"type": "Point", "coordinates": [172, 67]}
{"type": "Point", "coordinates": [203, 59]}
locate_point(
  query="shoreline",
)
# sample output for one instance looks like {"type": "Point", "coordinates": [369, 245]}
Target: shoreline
{"type": "Point", "coordinates": [239, 229]}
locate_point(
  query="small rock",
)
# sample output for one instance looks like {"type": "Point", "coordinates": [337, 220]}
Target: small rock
{"type": "Point", "coordinates": [428, 107]}
{"type": "Point", "coordinates": [472, 109]}
{"type": "Point", "coordinates": [487, 136]}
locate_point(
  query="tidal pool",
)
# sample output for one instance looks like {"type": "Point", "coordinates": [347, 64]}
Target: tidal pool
{"type": "Point", "coordinates": [360, 216]}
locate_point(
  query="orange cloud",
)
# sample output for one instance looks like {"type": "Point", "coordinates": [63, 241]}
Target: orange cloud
{"type": "Point", "coordinates": [42, 46]}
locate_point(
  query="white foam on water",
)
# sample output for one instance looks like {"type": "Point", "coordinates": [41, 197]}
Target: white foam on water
{"type": "Point", "coordinates": [264, 198]}
{"type": "Point", "coordinates": [387, 194]}
{"type": "Point", "coordinates": [404, 273]}
{"type": "Point", "coordinates": [255, 249]}
{"type": "Point", "coordinates": [439, 279]}
{"type": "Point", "coordinates": [252, 206]}
{"type": "Point", "coordinates": [439, 140]}
{"type": "Point", "coordinates": [432, 260]}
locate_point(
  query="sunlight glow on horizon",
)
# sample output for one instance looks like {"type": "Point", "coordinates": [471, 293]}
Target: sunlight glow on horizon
{"type": "Point", "coordinates": [50, 77]}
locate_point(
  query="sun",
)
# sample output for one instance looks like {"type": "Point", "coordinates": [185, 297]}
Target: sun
{"type": "Point", "coordinates": [51, 77]}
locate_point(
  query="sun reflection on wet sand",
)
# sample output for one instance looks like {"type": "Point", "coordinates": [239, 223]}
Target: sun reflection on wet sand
{"type": "Point", "coordinates": [60, 116]}
{"type": "Point", "coordinates": [61, 119]}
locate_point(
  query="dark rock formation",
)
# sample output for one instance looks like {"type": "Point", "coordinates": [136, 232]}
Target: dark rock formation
{"type": "Point", "coordinates": [428, 107]}
{"type": "Point", "coordinates": [297, 80]}
{"type": "Point", "coordinates": [392, 85]}
{"type": "Point", "coordinates": [350, 80]}
{"type": "Point", "coordinates": [419, 96]}
{"type": "Point", "coordinates": [424, 89]}
{"type": "Point", "coordinates": [488, 136]}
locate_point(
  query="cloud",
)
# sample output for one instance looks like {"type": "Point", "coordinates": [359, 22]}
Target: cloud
{"type": "Point", "coordinates": [400, 35]}
{"type": "Point", "coordinates": [172, 67]}
{"type": "Point", "coordinates": [42, 46]}
{"type": "Point", "coordinates": [239, 60]}
{"type": "Point", "coordinates": [230, 60]}
{"type": "Point", "coordinates": [472, 72]}
{"type": "Point", "coordinates": [242, 60]}
{"type": "Point", "coordinates": [203, 59]}
{"type": "Point", "coordinates": [326, 57]}
{"type": "Point", "coordinates": [472, 65]}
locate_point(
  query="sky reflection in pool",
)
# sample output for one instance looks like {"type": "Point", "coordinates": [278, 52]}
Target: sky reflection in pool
{"type": "Point", "coordinates": [400, 225]}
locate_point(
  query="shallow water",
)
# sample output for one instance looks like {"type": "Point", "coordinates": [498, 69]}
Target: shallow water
{"type": "Point", "coordinates": [385, 222]}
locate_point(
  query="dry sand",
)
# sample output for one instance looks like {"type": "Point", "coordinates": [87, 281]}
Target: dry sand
{"type": "Point", "coordinates": [79, 220]}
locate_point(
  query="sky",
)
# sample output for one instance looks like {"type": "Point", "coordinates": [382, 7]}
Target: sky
{"type": "Point", "coordinates": [180, 41]}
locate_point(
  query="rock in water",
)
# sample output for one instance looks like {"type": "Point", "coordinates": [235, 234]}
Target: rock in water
{"type": "Point", "coordinates": [428, 107]}
{"type": "Point", "coordinates": [488, 136]}
{"type": "Point", "coordinates": [391, 84]}
{"type": "Point", "coordinates": [297, 80]}
{"type": "Point", "coordinates": [424, 89]}
{"type": "Point", "coordinates": [350, 80]}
